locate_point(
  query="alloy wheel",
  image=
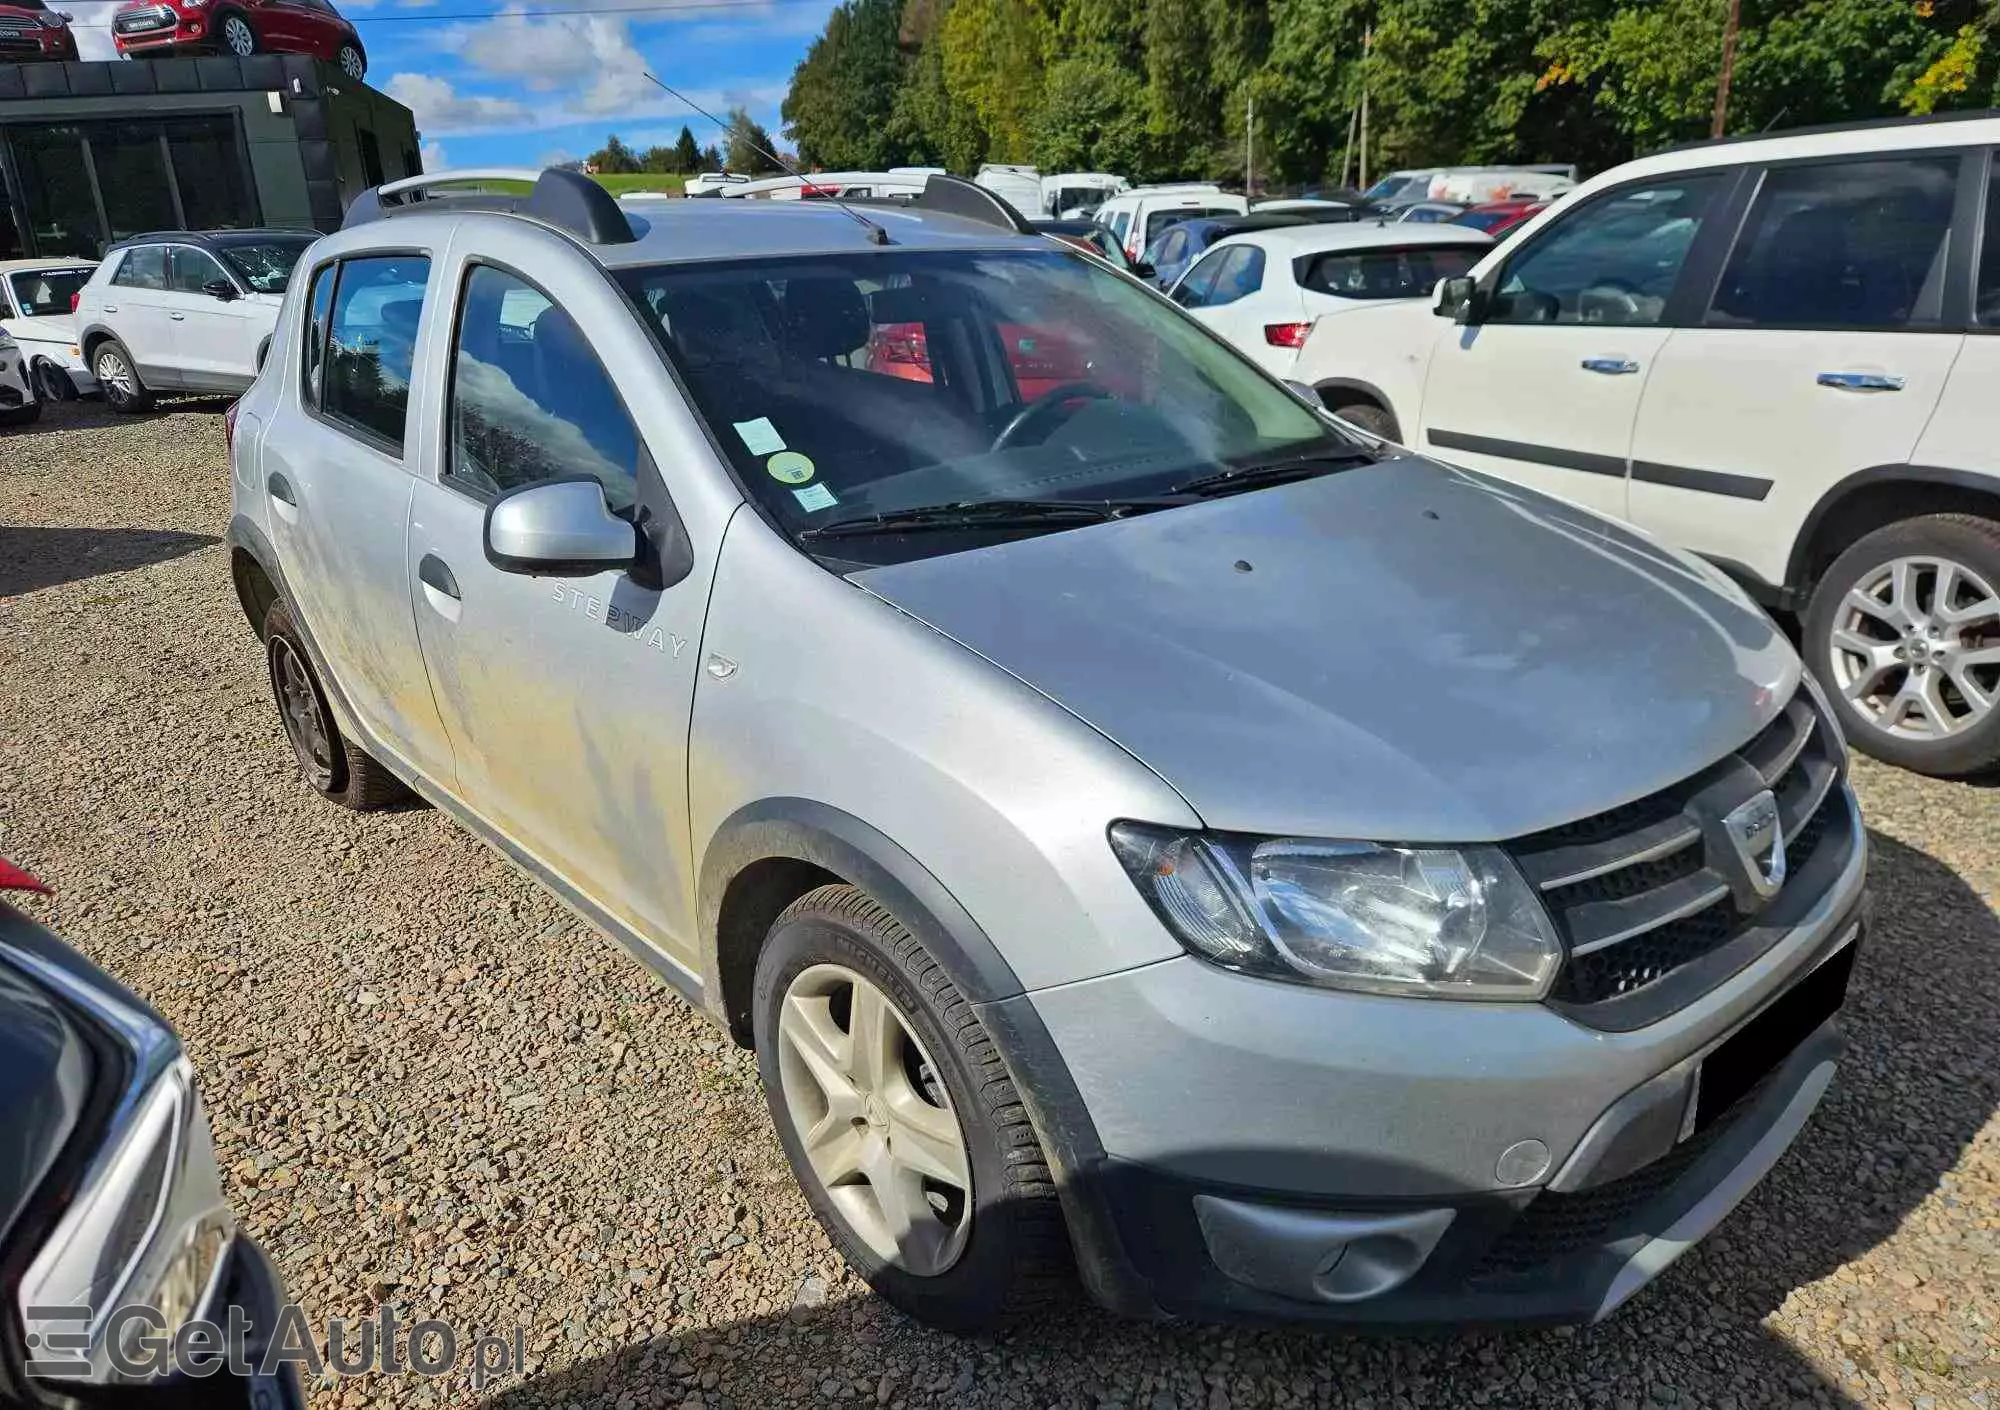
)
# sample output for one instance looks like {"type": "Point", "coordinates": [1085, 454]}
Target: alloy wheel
{"type": "Point", "coordinates": [1915, 648]}
{"type": "Point", "coordinates": [237, 34]}
{"type": "Point", "coordinates": [871, 1114]}
{"type": "Point", "coordinates": [305, 719]}
{"type": "Point", "coordinates": [115, 377]}
{"type": "Point", "coordinates": [350, 62]}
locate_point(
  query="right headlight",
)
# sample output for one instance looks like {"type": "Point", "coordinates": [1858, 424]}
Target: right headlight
{"type": "Point", "coordinates": [1428, 922]}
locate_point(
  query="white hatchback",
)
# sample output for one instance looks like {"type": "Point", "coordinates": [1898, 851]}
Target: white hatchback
{"type": "Point", "coordinates": [1264, 289]}
{"type": "Point", "coordinates": [181, 311]}
{"type": "Point", "coordinates": [38, 307]}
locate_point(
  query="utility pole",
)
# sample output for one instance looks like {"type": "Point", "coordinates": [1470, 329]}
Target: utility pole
{"type": "Point", "coordinates": [1732, 18]}
{"type": "Point", "coordinates": [1367, 44]}
{"type": "Point", "coordinates": [1347, 152]}
{"type": "Point", "coordinates": [1250, 148]}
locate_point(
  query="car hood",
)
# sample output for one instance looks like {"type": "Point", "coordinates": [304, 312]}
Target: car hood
{"type": "Point", "coordinates": [1402, 651]}
{"type": "Point", "coordinates": [49, 328]}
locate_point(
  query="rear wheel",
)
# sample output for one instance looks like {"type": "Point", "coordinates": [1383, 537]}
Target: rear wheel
{"type": "Point", "coordinates": [237, 35]}
{"type": "Point", "coordinates": [351, 62]}
{"type": "Point", "coordinates": [1368, 417]}
{"type": "Point", "coordinates": [333, 766]}
{"type": "Point", "coordinates": [1904, 630]}
{"type": "Point", "coordinates": [900, 1120]}
{"type": "Point", "coordinates": [118, 379]}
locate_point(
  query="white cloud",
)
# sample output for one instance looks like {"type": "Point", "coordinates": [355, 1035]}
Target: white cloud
{"type": "Point", "coordinates": [434, 157]}
{"type": "Point", "coordinates": [441, 108]}
{"type": "Point", "coordinates": [589, 56]}
{"type": "Point", "coordinates": [92, 28]}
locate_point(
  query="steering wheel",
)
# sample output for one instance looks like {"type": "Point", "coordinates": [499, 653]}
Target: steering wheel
{"type": "Point", "coordinates": [1046, 413]}
{"type": "Point", "coordinates": [1612, 296]}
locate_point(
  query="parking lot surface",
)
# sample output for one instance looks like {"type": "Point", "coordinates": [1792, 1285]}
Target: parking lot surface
{"type": "Point", "coordinates": [432, 1086]}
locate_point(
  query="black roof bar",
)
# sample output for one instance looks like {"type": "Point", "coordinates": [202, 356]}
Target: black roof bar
{"type": "Point", "coordinates": [567, 200]}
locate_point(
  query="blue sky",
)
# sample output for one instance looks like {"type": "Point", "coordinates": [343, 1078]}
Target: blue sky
{"type": "Point", "coordinates": [540, 80]}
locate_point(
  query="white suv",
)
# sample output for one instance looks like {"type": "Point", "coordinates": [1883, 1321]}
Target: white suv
{"type": "Point", "coordinates": [1777, 352]}
{"type": "Point", "coordinates": [180, 311]}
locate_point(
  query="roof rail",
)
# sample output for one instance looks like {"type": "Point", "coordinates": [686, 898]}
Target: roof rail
{"type": "Point", "coordinates": [953, 195]}
{"type": "Point", "coordinates": [567, 200]}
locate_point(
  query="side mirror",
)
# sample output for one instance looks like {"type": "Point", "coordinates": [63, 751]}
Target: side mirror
{"type": "Point", "coordinates": [1141, 269]}
{"type": "Point", "coordinates": [563, 529]}
{"type": "Point", "coordinates": [219, 289]}
{"type": "Point", "coordinates": [1458, 299]}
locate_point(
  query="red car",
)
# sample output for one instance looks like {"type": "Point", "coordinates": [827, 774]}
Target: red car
{"type": "Point", "coordinates": [157, 28]}
{"type": "Point", "coordinates": [30, 30]}
{"type": "Point", "coordinates": [1496, 218]}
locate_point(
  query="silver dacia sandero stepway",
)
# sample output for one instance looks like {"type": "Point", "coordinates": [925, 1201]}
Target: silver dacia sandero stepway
{"type": "Point", "coordinates": [1150, 833]}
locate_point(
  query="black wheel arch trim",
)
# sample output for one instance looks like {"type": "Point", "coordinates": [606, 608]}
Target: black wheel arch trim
{"type": "Point", "coordinates": [1356, 384]}
{"type": "Point", "coordinates": [1796, 565]}
{"type": "Point", "coordinates": [801, 829]}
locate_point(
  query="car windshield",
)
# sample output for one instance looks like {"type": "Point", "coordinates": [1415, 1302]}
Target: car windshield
{"type": "Point", "coordinates": [1388, 188]}
{"type": "Point", "coordinates": [1160, 221]}
{"type": "Point", "coordinates": [265, 264]}
{"type": "Point", "coordinates": [1390, 274]}
{"type": "Point", "coordinates": [1485, 220]}
{"type": "Point", "coordinates": [41, 292]}
{"type": "Point", "coordinates": [851, 385]}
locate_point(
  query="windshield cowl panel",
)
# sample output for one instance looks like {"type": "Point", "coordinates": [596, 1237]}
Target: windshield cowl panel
{"type": "Point", "coordinates": [842, 387]}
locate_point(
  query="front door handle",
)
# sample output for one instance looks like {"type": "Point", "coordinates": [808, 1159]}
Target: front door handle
{"type": "Point", "coordinates": [281, 489]}
{"type": "Point", "coordinates": [433, 574]}
{"type": "Point", "coordinates": [1860, 381]}
{"type": "Point", "coordinates": [1610, 366]}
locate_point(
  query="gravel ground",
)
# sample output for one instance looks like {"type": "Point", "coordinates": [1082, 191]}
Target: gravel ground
{"type": "Point", "coordinates": [432, 1087]}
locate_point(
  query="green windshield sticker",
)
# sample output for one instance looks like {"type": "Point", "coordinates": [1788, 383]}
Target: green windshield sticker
{"type": "Point", "coordinates": [815, 497]}
{"type": "Point", "coordinates": [760, 437]}
{"type": "Point", "coordinates": [789, 467]}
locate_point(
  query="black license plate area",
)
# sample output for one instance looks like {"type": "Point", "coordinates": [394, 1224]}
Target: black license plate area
{"type": "Point", "coordinates": [1747, 1056]}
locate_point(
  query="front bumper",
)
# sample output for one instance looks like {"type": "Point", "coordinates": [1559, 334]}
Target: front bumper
{"type": "Point", "coordinates": [1245, 1139]}
{"type": "Point", "coordinates": [15, 388]}
{"type": "Point", "coordinates": [66, 357]}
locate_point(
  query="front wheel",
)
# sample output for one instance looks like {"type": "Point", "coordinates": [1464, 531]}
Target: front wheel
{"type": "Point", "coordinates": [237, 36]}
{"type": "Point", "coordinates": [1904, 631]}
{"type": "Point", "coordinates": [900, 1120]}
{"type": "Point", "coordinates": [119, 380]}
{"type": "Point", "coordinates": [351, 62]}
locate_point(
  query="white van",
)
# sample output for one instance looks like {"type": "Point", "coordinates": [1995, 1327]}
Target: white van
{"type": "Point", "coordinates": [1019, 186]}
{"type": "Point", "coordinates": [711, 181]}
{"type": "Point", "coordinates": [1077, 194]}
{"type": "Point", "coordinates": [1139, 216]}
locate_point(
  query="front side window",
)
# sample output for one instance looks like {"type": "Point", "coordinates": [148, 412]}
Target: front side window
{"type": "Point", "coordinates": [530, 401]}
{"type": "Point", "coordinates": [1389, 274]}
{"type": "Point", "coordinates": [143, 267]}
{"type": "Point", "coordinates": [371, 343]}
{"type": "Point", "coordinates": [190, 271]}
{"type": "Point", "coordinates": [1988, 295]}
{"type": "Point", "coordinates": [42, 292]}
{"type": "Point", "coordinates": [1843, 244]}
{"type": "Point", "coordinates": [1614, 261]}
{"type": "Point", "coordinates": [1049, 377]}
{"type": "Point", "coordinates": [265, 264]}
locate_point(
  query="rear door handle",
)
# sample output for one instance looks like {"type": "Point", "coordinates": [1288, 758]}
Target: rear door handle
{"type": "Point", "coordinates": [433, 574]}
{"type": "Point", "coordinates": [1610, 366]}
{"type": "Point", "coordinates": [110, 308]}
{"type": "Point", "coordinates": [1860, 381]}
{"type": "Point", "coordinates": [281, 489]}
{"type": "Point", "coordinates": [178, 317]}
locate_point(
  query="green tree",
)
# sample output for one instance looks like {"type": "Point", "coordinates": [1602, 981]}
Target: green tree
{"type": "Point", "coordinates": [843, 92]}
{"type": "Point", "coordinates": [614, 157]}
{"type": "Point", "coordinates": [1092, 117]}
{"type": "Point", "coordinates": [996, 55]}
{"type": "Point", "coordinates": [687, 156]}
{"type": "Point", "coordinates": [747, 144]}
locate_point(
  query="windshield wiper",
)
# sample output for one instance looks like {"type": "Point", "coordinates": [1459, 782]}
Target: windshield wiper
{"type": "Point", "coordinates": [1276, 472]}
{"type": "Point", "coordinates": [986, 514]}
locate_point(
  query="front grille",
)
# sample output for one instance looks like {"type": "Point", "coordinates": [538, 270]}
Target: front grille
{"type": "Point", "coordinates": [1556, 1225]}
{"type": "Point", "coordinates": [13, 27]}
{"type": "Point", "coordinates": [1634, 892]}
{"type": "Point", "coordinates": [141, 21]}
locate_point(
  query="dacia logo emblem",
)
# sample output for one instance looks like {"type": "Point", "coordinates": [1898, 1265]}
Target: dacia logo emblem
{"type": "Point", "coordinates": [1756, 833]}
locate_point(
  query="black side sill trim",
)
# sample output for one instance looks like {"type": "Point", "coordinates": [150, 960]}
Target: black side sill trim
{"type": "Point", "coordinates": [1680, 477]}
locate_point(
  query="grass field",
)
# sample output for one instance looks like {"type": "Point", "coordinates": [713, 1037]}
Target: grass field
{"type": "Point", "coordinates": [621, 184]}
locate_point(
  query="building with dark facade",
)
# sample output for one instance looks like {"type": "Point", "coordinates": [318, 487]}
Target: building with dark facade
{"type": "Point", "coordinates": [93, 152]}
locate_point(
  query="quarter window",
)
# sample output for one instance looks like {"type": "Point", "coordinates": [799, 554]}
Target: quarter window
{"type": "Point", "coordinates": [1842, 244]}
{"type": "Point", "coordinates": [530, 401]}
{"type": "Point", "coordinates": [189, 270]}
{"type": "Point", "coordinates": [1615, 260]}
{"type": "Point", "coordinates": [1989, 257]}
{"type": "Point", "coordinates": [371, 343]}
{"type": "Point", "coordinates": [318, 308]}
{"type": "Point", "coordinates": [144, 267]}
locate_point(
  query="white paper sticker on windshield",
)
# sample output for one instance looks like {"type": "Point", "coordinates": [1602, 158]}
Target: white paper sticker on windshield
{"type": "Point", "coordinates": [760, 437]}
{"type": "Point", "coordinates": [815, 497]}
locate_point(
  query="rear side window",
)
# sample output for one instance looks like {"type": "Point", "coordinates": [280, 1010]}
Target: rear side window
{"type": "Point", "coordinates": [1120, 222]}
{"type": "Point", "coordinates": [1842, 244]}
{"type": "Point", "coordinates": [144, 267]}
{"type": "Point", "coordinates": [371, 339]}
{"type": "Point", "coordinates": [530, 402]}
{"type": "Point", "coordinates": [1240, 276]}
{"type": "Point", "coordinates": [1388, 274]}
{"type": "Point", "coordinates": [1989, 258]}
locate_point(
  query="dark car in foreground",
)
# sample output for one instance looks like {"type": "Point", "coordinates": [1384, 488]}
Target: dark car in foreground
{"type": "Point", "coordinates": [157, 28]}
{"type": "Point", "coordinates": [110, 1200]}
